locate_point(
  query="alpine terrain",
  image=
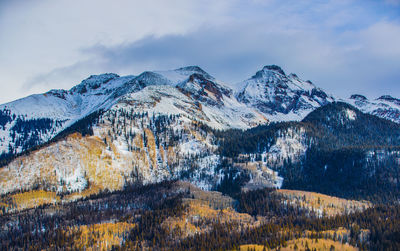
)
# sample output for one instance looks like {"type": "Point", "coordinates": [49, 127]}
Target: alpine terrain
{"type": "Point", "coordinates": [178, 160]}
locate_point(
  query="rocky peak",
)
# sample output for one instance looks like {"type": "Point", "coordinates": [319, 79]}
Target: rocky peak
{"type": "Point", "coordinates": [390, 99]}
{"type": "Point", "coordinates": [194, 69]}
{"type": "Point", "coordinates": [204, 89]}
{"type": "Point", "coordinates": [272, 92]}
{"type": "Point", "coordinates": [58, 93]}
{"type": "Point", "coordinates": [358, 97]}
{"type": "Point", "coordinates": [274, 68]}
{"type": "Point", "coordinates": [94, 82]}
{"type": "Point", "coordinates": [270, 73]}
{"type": "Point", "coordinates": [151, 78]}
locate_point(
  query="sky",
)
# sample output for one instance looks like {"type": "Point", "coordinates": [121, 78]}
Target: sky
{"type": "Point", "coordinates": [342, 46]}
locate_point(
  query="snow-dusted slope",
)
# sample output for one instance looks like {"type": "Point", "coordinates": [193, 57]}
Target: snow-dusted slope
{"type": "Point", "coordinates": [189, 91]}
{"type": "Point", "coordinates": [150, 133]}
{"type": "Point", "coordinates": [37, 118]}
{"type": "Point", "coordinates": [125, 147]}
{"type": "Point", "coordinates": [385, 107]}
{"type": "Point", "coordinates": [152, 129]}
{"type": "Point", "coordinates": [193, 93]}
{"type": "Point", "coordinates": [270, 95]}
{"type": "Point", "coordinates": [281, 97]}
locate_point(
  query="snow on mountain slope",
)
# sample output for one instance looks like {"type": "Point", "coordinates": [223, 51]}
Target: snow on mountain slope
{"type": "Point", "coordinates": [270, 95]}
{"type": "Point", "coordinates": [281, 97]}
{"type": "Point", "coordinates": [127, 146]}
{"type": "Point", "coordinates": [35, 119]}
{"type": "Point", "coordinates": [385, 106]}
{"type": "Point", "coordinates": [151, 128]}
{"type": "Point", "coordinates": [189, 91]}
{"type": "Point", "coordinates": [167, 100]}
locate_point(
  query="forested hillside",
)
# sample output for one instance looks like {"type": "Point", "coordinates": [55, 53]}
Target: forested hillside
{"type": "Point", "coordinates": [176, 160]}
{"type": "Point", "coordinates": [348, 153]}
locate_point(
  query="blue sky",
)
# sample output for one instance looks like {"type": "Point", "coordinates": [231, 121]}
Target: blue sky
{"type": "Point", "coordinates": [343, 46]}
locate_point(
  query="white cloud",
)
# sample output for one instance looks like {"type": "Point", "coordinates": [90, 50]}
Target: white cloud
{"type": "Point", "coordinates": [382, 39]}
{"type": "Point", "coordinates": [336, 43]}
{"type": "Point", "coordinates": [39, 36]}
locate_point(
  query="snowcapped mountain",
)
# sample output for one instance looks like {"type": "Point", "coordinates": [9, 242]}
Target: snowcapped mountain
{"type": "Point", "coordinates": [385, 106]}
{"type": "Point", "coordinates": [191, 92]}
{"type": "Point", "coordinates": [33, 120]}
{"type": "Point", "coordinates": [157, 126]}
{"type": "Point", "coordinates": [270, 95]}
{"type": "Point", "coordinates": [127, 132]}
{"type": "Point", "coordinates": [98, 164]}
{"type": "Point", "coordinates": [281, 97]}
{"type": "Point", "coordinates": [187, 91]}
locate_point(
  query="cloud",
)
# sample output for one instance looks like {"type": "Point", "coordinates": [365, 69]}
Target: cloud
{"type": "Point", "coordinates": [63, 77]}
{"type": "Point", "coordinates": [383, 38]}
{"type": "Point", "coordinates": [341, 45]}
{"type": "Point", "coordinates": [354, 63]}
{"type": "Point", "coordinates": [39, 38]}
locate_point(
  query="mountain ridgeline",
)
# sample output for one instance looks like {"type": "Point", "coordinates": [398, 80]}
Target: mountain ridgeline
{"type": "Point", "coordinates": [185, 124]}
{"type": "Point", "coordinates": [348, 153]}
{"type": "Point", "coordinates": [177, 160]}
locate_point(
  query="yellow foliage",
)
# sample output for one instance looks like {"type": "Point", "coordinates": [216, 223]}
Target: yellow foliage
{"type": "Point", "coordinates": [330, 205]}
{"type": "Point", "coordinates": [171, 155]}
{"type": "Point", "coordinates": [162, 153]}
{"type": "Point", "coordinates": [92, 189]}
{"type": "Point", "coordinates": [214, 199]}
{"type": "Point", "coordinates": [100, 236]}
{"type": "Point", "coordinates": [100, 173]}
{"type": "Point", "coordinates": [75, 136]}
{"type": "Point", "coordinates": [340, 232]}
{"type": "Point", "coordinates": [321, 245]}
{"type": "Point", "coordinates": [151, 146]}
{"type": "Point", "coordinates": [138, 141]}
{"type": "Point", "coordinates": [251, 247]}
{"type": "Point", "coordinates": [33, 199]}
{"type": "Point", "coordinates": [198, 210]}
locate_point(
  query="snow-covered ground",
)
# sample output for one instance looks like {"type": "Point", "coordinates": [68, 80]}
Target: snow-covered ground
{"type": "Point", "coordinates": [385, 107]}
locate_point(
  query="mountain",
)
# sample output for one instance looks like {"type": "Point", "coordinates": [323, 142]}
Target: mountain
{"type": "Point", "coordinates": [281, 97]}
{"type": "Point", "coordinates": [149, 129]}
{"type": "Point", "coordinates": [34, 120]}
{"type": "Point", "coordinates": [336, 150]}
{"type": "Point", "coordinates": [270, 95]}
{"type": "Point", "coordinates": [193, 93]}
{"type": "Point", "coordinates": [174, 160]}
{"type": "Point", "coordinates": [385, 106]}
{"type": "Point", "coordinates": [109, 130]}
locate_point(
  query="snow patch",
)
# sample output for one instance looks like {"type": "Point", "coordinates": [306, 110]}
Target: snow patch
{"type": "Point", "coordinates": [351, 114]}
{"type": "Point", "coordinates": [73, 182]}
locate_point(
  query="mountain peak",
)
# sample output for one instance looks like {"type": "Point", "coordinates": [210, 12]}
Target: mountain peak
{"type": "Point", "coordinates": [94, 82]}
{"type": "Point", "coordinates": [171, 77]}
{"type": "Point", "coordinates": [358, 97]}
{"type": "Point", "coordinates": [274, 93]}
{"type": "Point", "coordinates": [388, 98]}
{"type": "Point", "coordinates": [274, 68]}
{"type": "Point", "coordinates": [194, 68]}
{"type": "Point", "coordinates": [270, 71]}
